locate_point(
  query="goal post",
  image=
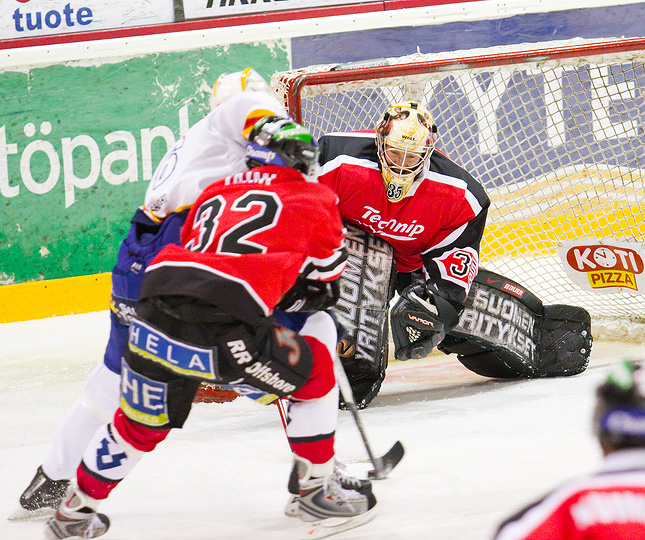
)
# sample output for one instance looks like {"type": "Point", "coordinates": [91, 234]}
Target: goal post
{"type": "Point", "coordinates": [556, 134]}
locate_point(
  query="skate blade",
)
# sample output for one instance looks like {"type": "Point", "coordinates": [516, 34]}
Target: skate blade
{"type": "Point", "coordinates": [22, 514]}
{"type": "Point", "coordinates": [292, 508]}
{"type": "Point", "coordinates": [331, 526]}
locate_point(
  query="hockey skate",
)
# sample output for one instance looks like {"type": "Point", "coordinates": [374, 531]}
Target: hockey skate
{"type": "Point", "coordinates": [292, 508]}
{"type": "Point", "coordinates": [328, 507]}
{"type": "Point", "coordinates": [76, 517]}
{"type": "Point", "coordinates": [41, 498]}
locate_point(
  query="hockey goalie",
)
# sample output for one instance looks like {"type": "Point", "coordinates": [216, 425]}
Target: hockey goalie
{"type": "Point", "coordinates": [415, 221]}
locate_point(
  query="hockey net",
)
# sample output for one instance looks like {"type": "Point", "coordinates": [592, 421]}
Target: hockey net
{"type": "Point", "coordinates": [554, 132]}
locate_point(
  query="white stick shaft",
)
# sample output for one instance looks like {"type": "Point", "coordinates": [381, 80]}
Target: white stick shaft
{"type": "Point", "coordinates": [348, 397]}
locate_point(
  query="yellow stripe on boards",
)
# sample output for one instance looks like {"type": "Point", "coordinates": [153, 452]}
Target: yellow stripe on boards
{"type": "Point", "coordinates": [540, 236]}
{"type": "Point", "coordinates": [43, 299]}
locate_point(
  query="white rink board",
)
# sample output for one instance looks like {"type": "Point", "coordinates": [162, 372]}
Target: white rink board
{"type": "Point", "coordinates": [35, 18]}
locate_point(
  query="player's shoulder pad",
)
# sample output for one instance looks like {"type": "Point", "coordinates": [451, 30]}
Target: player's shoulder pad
{"type": "Point", "coordinates": [442, 164]}
{"type": "Point", "coordinates": [360, 145]}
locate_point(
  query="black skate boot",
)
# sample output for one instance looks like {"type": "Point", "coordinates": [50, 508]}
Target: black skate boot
{"type": "Point", "coordinates": [328, 507]}
{"type": "Point", "coordinates": [41, 498]}
{"type": "Point", "coordinates": [292, 508]}
{"type": "Point", "coordinates": [77, 517]}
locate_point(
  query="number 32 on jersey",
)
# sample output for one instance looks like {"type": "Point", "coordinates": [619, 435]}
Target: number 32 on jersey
{"type": "Point", "coordinates": [262, 208]}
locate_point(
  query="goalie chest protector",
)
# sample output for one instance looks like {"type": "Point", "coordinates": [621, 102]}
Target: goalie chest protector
{"type": "Point", "coordinates": [366, 287]}
{"type": "Point", "coordinates": [505, 331]}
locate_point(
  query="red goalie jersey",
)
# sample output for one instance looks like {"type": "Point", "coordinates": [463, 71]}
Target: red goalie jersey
{"type": "Point", "coordinates": [437, 225]}
{"type": "Point", "coordinates": [245, 230]}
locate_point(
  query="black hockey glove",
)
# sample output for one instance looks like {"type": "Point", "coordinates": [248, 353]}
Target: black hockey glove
{"type": "Point", "coordinates": [415, 322]}
{"type": "Point", "coordinates": [309, 295]}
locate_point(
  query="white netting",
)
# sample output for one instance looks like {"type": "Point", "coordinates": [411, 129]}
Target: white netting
{"type": "Point", "coordinates": [556, 137]}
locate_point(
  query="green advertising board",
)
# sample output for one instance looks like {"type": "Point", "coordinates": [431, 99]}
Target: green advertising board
{"type": "Point", "coordinates": [79, 143]}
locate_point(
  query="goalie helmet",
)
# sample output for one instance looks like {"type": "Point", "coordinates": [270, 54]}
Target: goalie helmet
{"type": "Point", "coordinates": [229, 84]}
{"type": "Point", "coordinates": [275, 140]}
{"type": "Point", "coordinates": [405, 138]}
{"type": "Point", "coordinates": [619, 416]}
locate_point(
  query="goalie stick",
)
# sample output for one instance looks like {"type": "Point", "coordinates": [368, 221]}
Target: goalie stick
{"type": "Point", "coordinates": [384, 464]}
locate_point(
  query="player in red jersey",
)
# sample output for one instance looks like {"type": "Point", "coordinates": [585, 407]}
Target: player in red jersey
{"type": "Point", "coordinates": [395, 185]}
{"type": "Point", "coordinates": [212, 148]}
{"type": "Point", "coordinates": [607, 505]}
{"type": "Point", "coordinates": [265, 238]}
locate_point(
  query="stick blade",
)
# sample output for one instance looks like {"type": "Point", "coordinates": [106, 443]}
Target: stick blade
{"type": "Point", "coordinates": [387, 462]}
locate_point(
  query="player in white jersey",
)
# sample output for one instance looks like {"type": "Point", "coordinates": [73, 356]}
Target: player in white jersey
{"type": "Point", "coordinates": [213, 148]}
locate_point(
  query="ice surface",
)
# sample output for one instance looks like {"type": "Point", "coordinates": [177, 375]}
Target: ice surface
{"type": "Point", "coordinates": [476, 449]}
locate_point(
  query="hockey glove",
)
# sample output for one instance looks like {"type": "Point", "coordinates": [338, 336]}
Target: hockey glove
{"type": "Point", "coordinates": [309, 295]}
{"type": "Point", "coordinates": [416, 327]}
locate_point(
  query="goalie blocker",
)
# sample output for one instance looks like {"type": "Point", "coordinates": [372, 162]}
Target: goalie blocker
{"type": "Point", "coordinates": [504, 331]}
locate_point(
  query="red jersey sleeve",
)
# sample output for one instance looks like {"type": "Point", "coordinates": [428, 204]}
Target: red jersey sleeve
{"type": "Point", "coordinates": [328, 256]}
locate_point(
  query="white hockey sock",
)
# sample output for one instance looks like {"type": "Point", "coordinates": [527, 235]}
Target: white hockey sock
{"type": "Point", "coordinates": [69, 442]}
{"type": "Point", "coordinates": [97, 406]}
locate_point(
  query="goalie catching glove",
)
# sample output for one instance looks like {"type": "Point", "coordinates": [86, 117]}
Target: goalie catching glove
{"type": "Point", "coordinates": [309, 295]}
{"type": "Point", "coordinates": [416, 325]}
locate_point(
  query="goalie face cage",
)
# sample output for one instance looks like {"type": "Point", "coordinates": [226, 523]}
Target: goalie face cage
{"type": "Point", "coordinates": [554, 134]}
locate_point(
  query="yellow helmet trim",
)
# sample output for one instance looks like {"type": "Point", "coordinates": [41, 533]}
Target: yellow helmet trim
{"type": "Point", "coordinates": [405, 138]}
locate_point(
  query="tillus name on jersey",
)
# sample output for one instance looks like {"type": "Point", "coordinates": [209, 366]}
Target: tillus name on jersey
{"type": "Point", "coordinates": [250, 177]}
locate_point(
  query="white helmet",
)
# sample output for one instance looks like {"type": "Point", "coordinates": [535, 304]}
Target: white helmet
{"type": "Point", "coordinates": [405, 138]}
{"type": "Point", "coordinates": [229, 84]}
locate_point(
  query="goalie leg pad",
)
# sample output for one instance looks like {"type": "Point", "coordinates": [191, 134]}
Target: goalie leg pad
{"type": "Point", "coordinates": [565, 341]}
{"type": "Point", "coordinates": [497, 331]}
{"type": "Point", "coordinates": [506, 332]}
{"type": "Point", "coordinates": [366, 287]}
{"type": "Point", "coordinates": [486, 360]}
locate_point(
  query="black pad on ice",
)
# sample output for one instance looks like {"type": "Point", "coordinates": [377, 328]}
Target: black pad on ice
{"type": "Point", "coordinates": [506, 332]}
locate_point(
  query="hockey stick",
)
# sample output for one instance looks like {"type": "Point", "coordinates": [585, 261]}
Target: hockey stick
{"type": "Point", "coordinates": [384, 464]}
{"type": "Point", "coordinates": [280, 403]}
